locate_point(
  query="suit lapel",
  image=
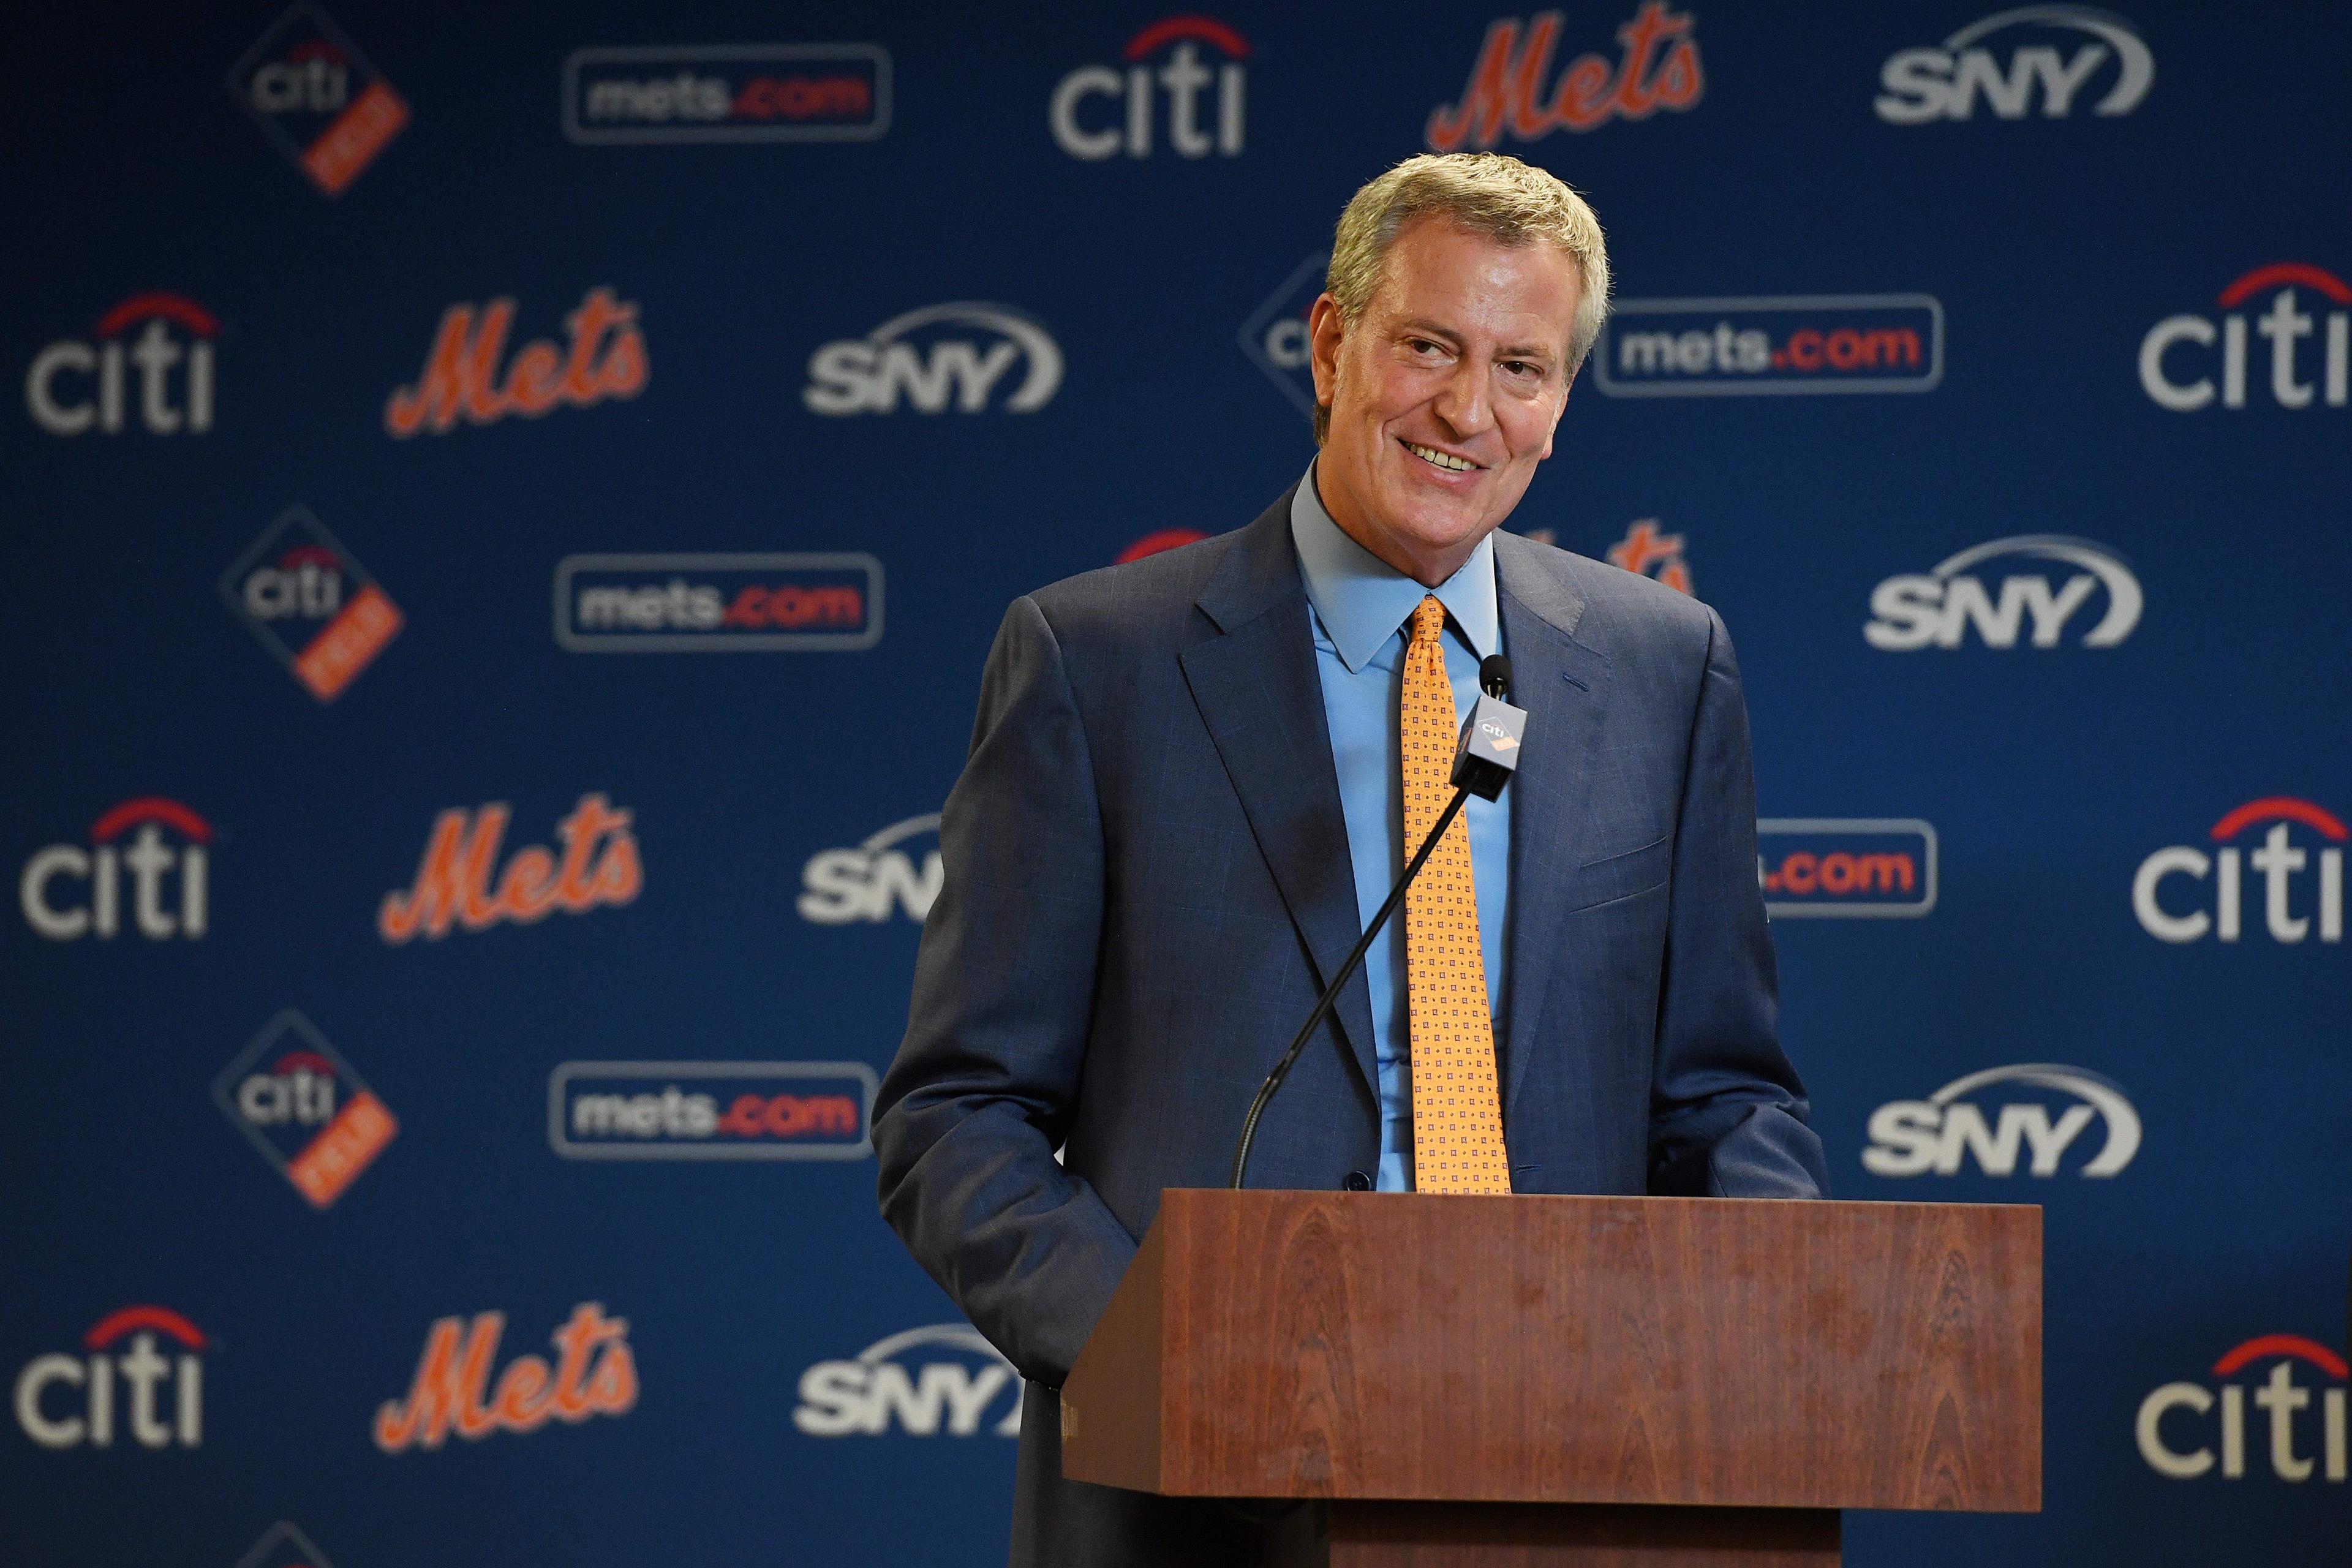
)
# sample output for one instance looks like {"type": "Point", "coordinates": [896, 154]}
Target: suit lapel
{"type": "Point", "coordinates": [1564, 685]}
{"type": "Point", "coordinates": [1255, 685]}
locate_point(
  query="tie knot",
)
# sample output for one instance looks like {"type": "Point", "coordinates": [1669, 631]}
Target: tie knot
{"type": "Point", "coordinates": [1428, 619]}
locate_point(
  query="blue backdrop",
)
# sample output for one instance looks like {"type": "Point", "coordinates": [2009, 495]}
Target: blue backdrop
{"type": "Point", "coordinates": [508, 506]}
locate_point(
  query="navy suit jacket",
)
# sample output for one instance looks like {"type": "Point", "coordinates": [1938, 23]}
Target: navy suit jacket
{"type": "Point", "coordinates": [1147, 882]}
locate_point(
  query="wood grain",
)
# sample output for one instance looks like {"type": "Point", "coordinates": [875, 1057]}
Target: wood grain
{"type": "Point", "coordinates": [1598, 1350]}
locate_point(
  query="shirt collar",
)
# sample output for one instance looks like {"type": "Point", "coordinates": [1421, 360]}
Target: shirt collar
{"type": "Point", "coordinates": [1363, 600]}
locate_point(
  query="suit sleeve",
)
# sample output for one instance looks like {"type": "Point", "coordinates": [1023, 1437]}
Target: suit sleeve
{"type": "Point", "coordinates": [1727, 1113]}
{"type": "Point", "coordinates": [972, 1110]}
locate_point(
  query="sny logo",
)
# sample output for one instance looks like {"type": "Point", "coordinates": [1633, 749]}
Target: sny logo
{"type": "Point", "coordinates": [99, 869]}
{"type": "Point", "coordinates": [867, 375]}
{"type": "Point", "coordinates": [732, 1110]}
{"type": "Point", "coordinates": [2284, 325]}
{"type": "Point", "coordinates": [592, 1374]}
{"type": "Point", "coordinates": [292, 1093]}
{"type": "Point", "coordinates": [1657, 69]}
{"type": "Point", "coordinates": [956, 1384]}
{"type": "Point", "coordinates": [2278, 859]}
{"type": "Point", "coordinates": [1771, 346]}
{"type": "Point", "coordinates": [454, 881]}
{"type": "Point", "coordinates": [717, 604]}
{"type": "Point", "coordinates": [460, 378]}
{"type": "Point", "coordinates": [316, 97]}
{"type": "Point", "coordinates": [75, 407]}
{"type": "Point", "coordinates": [143, 1371]}
{"type": "Point", "coordinates": [311, 602]}
{"type": "Point", "coordinates": [1924, 84]}
{"type": "Point", "coordinates": [2278, 1396]}
{"type": "Point", "coordinates": [1128, 127]}
{"type": "Point", "coordinates": [1936, 609]}
{"type": "Point", "coordinates": [1847, 866]}
{"type": "Point", "coordinates": [728, 92]}
{"type": "Point", "coordinates": [1644, 547]}
{"type": "Point", "coordinates": [1916, 1136]}
{"type": "Point", "coordinates": [842, 885]}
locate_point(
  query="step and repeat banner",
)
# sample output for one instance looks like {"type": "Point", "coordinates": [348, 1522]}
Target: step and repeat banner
{"type": "Point", "coordinates": [510, 507]}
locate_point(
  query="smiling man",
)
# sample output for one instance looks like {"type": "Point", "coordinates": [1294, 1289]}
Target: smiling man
{"type": "Point", "coordinates": [1193, 777]}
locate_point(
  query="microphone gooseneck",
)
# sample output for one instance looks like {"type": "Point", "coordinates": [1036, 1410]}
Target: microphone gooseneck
{"type": "Point", "coordinates": [1331, 992]}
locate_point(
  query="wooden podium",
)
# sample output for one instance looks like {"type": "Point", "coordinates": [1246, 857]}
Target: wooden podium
{"type": "Point", "coordinates": [1555, 1381]}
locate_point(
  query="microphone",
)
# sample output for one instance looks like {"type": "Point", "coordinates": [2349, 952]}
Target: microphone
{"type": "Point", "coordinates": [1485, 760]}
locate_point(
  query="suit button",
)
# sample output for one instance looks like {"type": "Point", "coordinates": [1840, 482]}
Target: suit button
{"type": "Point", "coordinates": [1358, 1182]}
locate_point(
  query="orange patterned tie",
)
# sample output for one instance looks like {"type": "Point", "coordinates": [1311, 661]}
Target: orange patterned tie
{"type": "Point", "coordinates": [1458, 1115]}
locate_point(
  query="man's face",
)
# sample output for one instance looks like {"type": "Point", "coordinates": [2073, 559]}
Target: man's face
{"type": "Point", "coordinates": [1443, 395]}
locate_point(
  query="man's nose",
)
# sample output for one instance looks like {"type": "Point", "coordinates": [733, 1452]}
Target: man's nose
{"type": "Point", "coordinates": [1463, 402]}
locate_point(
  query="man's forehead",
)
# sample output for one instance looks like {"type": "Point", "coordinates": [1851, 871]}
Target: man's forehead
{"type": "Point", "coordinates": [1458, 281]}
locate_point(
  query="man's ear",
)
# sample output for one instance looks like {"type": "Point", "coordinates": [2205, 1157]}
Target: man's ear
{"type": "Point", "coordinates": [1325, 329]}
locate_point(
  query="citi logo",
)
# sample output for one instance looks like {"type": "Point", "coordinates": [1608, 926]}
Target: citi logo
{"type": "Point", "coordinates": [2279, 860]}
{"type": "Point", "coordinates": [165, 1395]}
{"type": "Point", "coordinates": [1099, 111]}
{"type": "Point", "coordinates": [77, 385]}
{"type": "Point", "coordinates": [315, 96]}
{"type": "Point", "coordinates": [1938, 608]}
{"type": "Point", "coordinates": [455, 884]}
{"type": "Point", "coordinates": [1657, 67]}
{"type": "Point", "coordinates": [962, 1384]}
{"type": "Point", "coordinates": [602, 357]}
{"type": "Point", "coordinates": [923, 358]}
{"type": "Point", "coordinates": [2177, 362]}
{"type": "Point", "coordinates": [69, 892]}
{"type": "Point", "coordinates": [840, 887]}
{"type": "Point", "coordinates": [1928, 84]}
{"type": "Point", "coordinates": [311, 602]}
{"type": "Point", "coordinates": [1938, 1134]}
{"type": "Point", "coordinates": [2181, 1446]}
{"type": "Point", "coordinates": [310, 1116]}
{"type": "Point", "coordinates": [593, 1373]}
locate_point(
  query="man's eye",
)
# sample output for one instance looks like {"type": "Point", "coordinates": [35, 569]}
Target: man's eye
{"type": "Point", "coordinates": [1521, 367]}
{"type": "Point", "coordinates": [1422, 345]}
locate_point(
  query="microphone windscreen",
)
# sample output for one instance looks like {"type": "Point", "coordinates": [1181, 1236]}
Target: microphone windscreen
{"type": "Point", "coordinates": [1495, 676]}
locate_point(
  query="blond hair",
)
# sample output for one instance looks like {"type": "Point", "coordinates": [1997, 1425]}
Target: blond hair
{"type": "Point", "coordinates": [1491, 194]}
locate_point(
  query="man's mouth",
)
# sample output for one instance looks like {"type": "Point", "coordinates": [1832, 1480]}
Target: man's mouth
{"type": "Point", "coordinates": [1437, 459]}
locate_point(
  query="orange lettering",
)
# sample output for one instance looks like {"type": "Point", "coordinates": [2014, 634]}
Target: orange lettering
{"type": "Point", "coordinates": [527, 891]}
{"type": "Point", "coordinates": [523, 1403]}
{"type": "Point", "coordinates": [453, 873]}
{"type": "Point", "coordinates": [534, 383]}
{"type": "Point", "coordinates": [449, 1387]}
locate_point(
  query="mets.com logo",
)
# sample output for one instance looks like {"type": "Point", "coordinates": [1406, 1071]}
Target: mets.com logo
{"type": "Point", "coordinates": [1771, 346]}
{"type": "Point", "coordinates": [711, 1111]}
{"type": "Point", "coordinates": [1940, 1133]}
{"type": "Point", "coordinates": [1846, 865]}
{"type": "Point", "coordinates": [728, 92]}
{"type": "Point", "coordinates": [717, 604]}
{"type": "Point", "coordinates": [943, 1379]}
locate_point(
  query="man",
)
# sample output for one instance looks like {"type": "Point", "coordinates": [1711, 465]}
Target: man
{"type": "Point", "coordinates": [1194, 777]}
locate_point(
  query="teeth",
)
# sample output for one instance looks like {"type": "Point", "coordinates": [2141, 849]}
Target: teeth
{"type": "Point", "coordinates": [1440, 459]}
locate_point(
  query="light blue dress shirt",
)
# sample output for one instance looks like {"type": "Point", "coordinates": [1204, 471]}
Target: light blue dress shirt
{"type": "Point", "coordinates": [1359, 609]}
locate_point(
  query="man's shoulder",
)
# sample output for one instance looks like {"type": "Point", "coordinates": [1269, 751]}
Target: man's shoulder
{"type": "Point", "coordinates": [1149, 604]}
{"type": "Point", "coordinates": [1617, 614]}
